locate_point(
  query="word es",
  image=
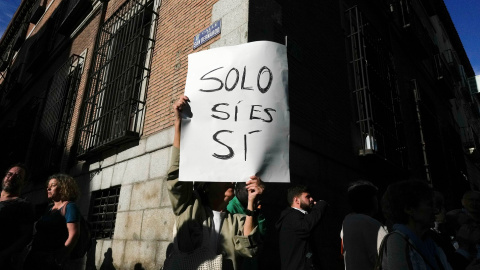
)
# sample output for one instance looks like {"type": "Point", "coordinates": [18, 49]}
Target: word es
{"type": "Point", "coordinates": [253, 112]}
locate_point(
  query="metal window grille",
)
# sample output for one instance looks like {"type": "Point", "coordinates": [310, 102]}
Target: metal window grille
{"type": "Point", "coordinates": [472, 83]}
{"type": "Point", "coordinates": [418, 108]}
{"type": "Point", "coordinates": [11, 85]}
{"type": "Point", "coordinates": [405, 12]}
{"type": "Point", "coordinates": [103, 212]}
{"type": "Point", "coordinates": [375, 90]}
{"type": "Point", "coordinates": [58, 111]}
{"type": "Point", "coordinates": [13, 39]}
{"type": "Point", "coordinates": [115, 102]}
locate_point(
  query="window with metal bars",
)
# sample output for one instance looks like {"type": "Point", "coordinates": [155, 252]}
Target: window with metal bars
{"type": "Point", "coordinates": [103, 212]}
{"type": "Point", "coordinates": [114, 106]}
{"type": "Point", "coordinates": [58, 111]}
{"type": "Point", "coordinates": [375, 90]}
{"type": "Point", "coordinates": [12, 84]}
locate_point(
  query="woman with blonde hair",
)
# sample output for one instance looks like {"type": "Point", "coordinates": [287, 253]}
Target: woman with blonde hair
{"type": "Point", "coordinates": [57, 231]}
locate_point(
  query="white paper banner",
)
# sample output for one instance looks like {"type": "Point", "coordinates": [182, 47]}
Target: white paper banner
{"type": "Point", "coordinates": [240, 120]}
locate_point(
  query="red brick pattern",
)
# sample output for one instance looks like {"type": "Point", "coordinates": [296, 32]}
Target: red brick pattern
{"type": "Point", "coordinates": [179, 22]}
{"type": "Point", "coordinates": [84, 41]}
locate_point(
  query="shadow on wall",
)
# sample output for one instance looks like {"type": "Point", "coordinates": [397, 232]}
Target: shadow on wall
{"type": "Point", "coordinates": [190, 249]}
{"type": "Point", "coordinates": [90, 264]}
{"type": "Point", "coordinates": [138, 266]}
{"type": "Point", "coordinates": [107, 263]}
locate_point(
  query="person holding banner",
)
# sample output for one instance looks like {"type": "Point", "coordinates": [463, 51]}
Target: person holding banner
{"type": "Point", "coordinates": [202, 221]}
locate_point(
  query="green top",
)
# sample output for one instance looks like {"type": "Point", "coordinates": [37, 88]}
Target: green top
{"type": "Point", "coordinates": [235, 207]}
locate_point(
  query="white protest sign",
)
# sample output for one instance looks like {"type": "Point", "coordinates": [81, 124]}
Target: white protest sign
{"type": "Point", "coordinates": [240, 121]}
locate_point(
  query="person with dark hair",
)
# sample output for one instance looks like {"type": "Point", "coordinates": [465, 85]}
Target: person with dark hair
{"type": "Point", "coordinates": [295, 226]}
{"type": "Point", "coordinates": [58, 230]}
{"type": "Point", "coordinates": [361, 234]}
{"type": "Point", "coordinates": [468, 214]}
{"type": "Point", "coordinates": [16, 216]}
{"type": "Point", "coordinates": [470, 208]}
{"type": "Point", "coordinates": [201, 213]}
{"type": "Point", "coordinates": [409, 206]}
{"type": "Point", "coordinates": [467, 236]}
{"type": "Point", "coordinates": [238, 205]}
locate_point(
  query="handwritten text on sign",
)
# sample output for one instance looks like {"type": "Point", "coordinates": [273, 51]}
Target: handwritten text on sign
{"type": "Point", "coordinates": [240, 117]}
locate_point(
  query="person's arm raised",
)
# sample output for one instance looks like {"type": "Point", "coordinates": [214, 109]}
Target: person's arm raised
{"type": "Point", "coordinates": [177, 109]}
{"type": "Point", "coordinates": [180, 193]}
{"type": "Point", "coordinates": [254, 188]}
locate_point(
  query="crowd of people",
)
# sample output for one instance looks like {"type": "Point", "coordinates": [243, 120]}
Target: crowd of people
{"type": "Point", "coordinates": [418, 234]}
{"type": "Point", "coordinates": [219, 225]}
{"type": "Point", "coordinates": [55, 233]}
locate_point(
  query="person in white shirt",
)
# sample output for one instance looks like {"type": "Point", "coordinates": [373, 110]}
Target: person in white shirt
{"type": "Point", "coordinates": [361, 234]}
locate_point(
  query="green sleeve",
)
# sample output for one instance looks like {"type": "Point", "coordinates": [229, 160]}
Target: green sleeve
{"type": "Point", "coordinates": [180, 193]}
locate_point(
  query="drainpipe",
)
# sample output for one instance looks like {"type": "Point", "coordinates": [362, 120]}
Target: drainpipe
{"type": "Point", "coordinates": [416, 94]}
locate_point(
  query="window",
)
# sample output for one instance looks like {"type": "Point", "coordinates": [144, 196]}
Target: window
{"type": "Point", "coordinates": [72, 12]}
{"type": "Point", "coordinates": [374, 90]}
{"type": "Point", "coordinates": [38, 10]}
{"type": "Point", "coordinates": [58, 111]}
{"type": "Point", "coordinates": [103, 212]}
{"type": "Point", "coordinates": [12, 85]}
{"type": "Point", "coordinates": [114, 106]}
{"type": "Point", "coordinates": [40, 48]}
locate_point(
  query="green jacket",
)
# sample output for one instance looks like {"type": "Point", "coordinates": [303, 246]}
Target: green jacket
{"type": "Point", "coordinates": [190, 212]}
{"type": "Point", "coordinates": [236, 207]}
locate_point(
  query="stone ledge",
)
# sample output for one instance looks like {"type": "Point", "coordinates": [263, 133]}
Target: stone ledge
{"type": "Point", "coordinates": [159, 140]}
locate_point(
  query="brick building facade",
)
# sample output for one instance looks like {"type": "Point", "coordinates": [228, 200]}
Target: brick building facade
{"type": "Point", "coordinates": [377, 90]}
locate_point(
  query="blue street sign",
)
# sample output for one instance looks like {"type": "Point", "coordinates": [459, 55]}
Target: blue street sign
{"type": "Point", "coordinates": [207, 34]}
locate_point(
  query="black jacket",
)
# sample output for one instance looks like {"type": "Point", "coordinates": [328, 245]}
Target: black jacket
{"type": "Point", "coordinates": [294, 230]}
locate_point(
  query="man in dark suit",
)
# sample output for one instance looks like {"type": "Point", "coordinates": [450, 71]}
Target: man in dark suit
{"type": "Point", "coordinates": [295, 226]}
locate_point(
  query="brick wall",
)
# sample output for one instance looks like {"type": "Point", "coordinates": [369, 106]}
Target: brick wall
{"type": "Point", "coordinates": [144, 221]}
{"type": "Point", "coordinates": [83, 44]}
{"type": "Point", "coordinates": [179, 22]}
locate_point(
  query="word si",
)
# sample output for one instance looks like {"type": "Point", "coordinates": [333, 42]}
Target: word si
{"type": "Point", "coordinates": [231, 153]}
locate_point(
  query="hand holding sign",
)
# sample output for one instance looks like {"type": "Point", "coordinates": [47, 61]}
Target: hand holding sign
{"type": "Point", "coordinates": [254, 187]}
{"type": "Point", "coordinates": [178, 107]}
{"type": "Point", "coordinates": [181, 109]}
{"type": "Point", "coordinates": [239, 124]}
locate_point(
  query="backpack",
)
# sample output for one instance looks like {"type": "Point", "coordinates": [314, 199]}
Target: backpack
{"type": "Point", "coordinates": [383, 248]}
{"type": "Point", "coordinates": [84, 242]}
